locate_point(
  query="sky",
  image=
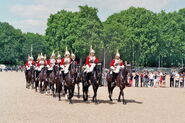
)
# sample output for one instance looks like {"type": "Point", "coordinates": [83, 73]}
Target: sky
{"type": "Point", "coordinates": [32, 15]}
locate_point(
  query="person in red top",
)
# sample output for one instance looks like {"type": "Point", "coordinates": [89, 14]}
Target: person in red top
{"type": "Point", "coordinates": [42, 62]}
{"type": "Point", "coordinates": [51, 62]}
{"type": "Point", "coordinates": [29, 63]}
{"type": "Point", "coordinates": [73, 58]}
{"type": "Point", "coordinates": [37, 66]}
{"type": "Point", "coordinates": [58, 60]}
{"type": "Point", "coordinates": [65, 63]}
{"type": "Point", "coordinates": [90, 64]}
{"type": "Point", "coordinates": [115, 66]}
{"type": "Point", "coordinates": [91, 61]}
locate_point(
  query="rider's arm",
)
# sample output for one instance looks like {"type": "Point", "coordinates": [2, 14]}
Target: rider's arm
{"type": "Point", "coordinates": [96, 60]}
{"type": "Point", "coordinates": [87, 61]}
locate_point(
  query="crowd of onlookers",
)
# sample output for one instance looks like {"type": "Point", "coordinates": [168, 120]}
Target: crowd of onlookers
{"type": "Point", "coordinates": [148, 79]}
{"type": "Point", "coordinates": [156, 79]}
{"type": "Point", "coordinates": [177, 79]}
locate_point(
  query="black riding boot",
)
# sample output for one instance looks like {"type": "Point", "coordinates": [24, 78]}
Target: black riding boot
{"type": "Point", "coordinates": [114, 76]}
{"type": "Point", "coordinates": [87, 75]}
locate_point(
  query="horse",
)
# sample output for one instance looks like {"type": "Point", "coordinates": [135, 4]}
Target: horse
{"type": "Point", "coordinates": [43, 78]}
{"type": "Point", "coordinates": [121, 81]}
{"type": "Point", "coordinates": [69, 83]}
{"type": "Point", "coordinates": [76, 72]}
{"type": "Point", "coordinates": [29, 74]}
{"type": "Point", "coordinates": [93, 78]}
{"type": "Point", "coordinates": [55, 79]}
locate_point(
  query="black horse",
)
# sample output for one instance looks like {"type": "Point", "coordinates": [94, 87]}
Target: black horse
{"type": "Point", "coordinates": [43, 79]}
{"type": "Point", "coordinates": [29, 74]}
{"type": "Point", "coordinates": [92, 78]}
{"type": "Point", "coordinates": [76, 72]}
{"type": "Point", "coordinates": [121, 81]}
{"type": "Point", "coordinates": [69, 83]}
{"type": "Point", "coordinates": [55, 79]}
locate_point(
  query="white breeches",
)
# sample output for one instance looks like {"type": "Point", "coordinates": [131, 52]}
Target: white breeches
{"type": "Point", "coordinates": [116, 69]}
{"type": "Point", "coordinates": [40, 68]}
{"type": "Point", "coordinates": [89, 68]}
{"type": "Point", "coordinates": [65, 68]}
{"type": "Point", "coordinates": [27, 67]}
{"type": "Point", "coordinates": [50, 67]}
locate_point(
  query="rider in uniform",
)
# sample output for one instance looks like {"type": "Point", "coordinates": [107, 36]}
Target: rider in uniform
{"type": "Point", "coordinates": [42, 62]}
{"type": "Point", "coordinates": [29, 63]}
{"type": "Point", "coordinates": [115, 66]}
{"type": "Point", "coordinates": [90, 63]}
{"type": "Point", "coordinates": [36, 68]}
{"type": "Point", "coordinates": [51, 62]}
{"type": "Point", "coordinates": [73, 58]}
{"type": "Point", "coordinates": [65, 63]}
{"type": "Point", "coordinates": [58, 60]}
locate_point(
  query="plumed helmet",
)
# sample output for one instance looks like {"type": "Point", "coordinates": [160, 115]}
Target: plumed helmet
{"type": "Point", "coordinates": [59, 56]}
{"type": "Point", "coordinates": [41, 56]}
{"type": "Point", "coordinates": [91, 50]}
{"type": "Point", "coordinates": [45, 57]}
{"type": "Point", "coordinates": [53, 54]}
{"type": "Point", "coordinates": [38, 57]}
{"type": "Point", "coordinates": [73, 55]}
{"type": "Point", "coordinates": [31, 57]}
{"type": "Point", "coordinates": [67, 52]}
{"type": "Point", "coordinates": [117, 53]}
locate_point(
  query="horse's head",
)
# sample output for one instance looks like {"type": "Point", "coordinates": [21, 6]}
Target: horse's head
{"type": "Point", "coordinates": [56, 70]}
{"type": "Point", "coordinates": [73, 68]}
{"type": "Point", "coordinates": [124, 72]}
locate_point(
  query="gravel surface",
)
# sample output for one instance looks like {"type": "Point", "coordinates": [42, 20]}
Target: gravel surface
{"type": "Point", "coordinates": [144, 105]}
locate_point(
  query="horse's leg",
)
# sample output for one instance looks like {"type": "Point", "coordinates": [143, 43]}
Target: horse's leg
{"type": "Point", "coordinates": [36, 85]}
{"type": "Point", "coordinates": [53, 89]}
{"type": "Point", "coordinates": [59, 89]}
{"type": "Point", "coordinates": [95, 88]}
{"type": "Point", "coordinates": [78, 90]}
{"type": "Point", "coordinates": [40, 86]}
{"type": "Point", "coordinates": [120, 93]}
{"type": "Point", "coordinates": [124, 102]}
{"type": "Point", "coordinates": [85, 92]}
{"type": "Point", "coordinates": [71, 93]}
{"type": "Point", "coordinates": [109, 90]}
{"type": "Point", "coordinates": [65, 92]}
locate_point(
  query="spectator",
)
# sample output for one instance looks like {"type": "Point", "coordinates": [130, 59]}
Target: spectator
{"type": "Point", "coordinates": [177, 77]}
{"type": "Point", "coordinates": [151, 79]}
{"type": "Point", "coordinates": [136, 80]}
{"type": "Point", "coordinates": [142, 78]}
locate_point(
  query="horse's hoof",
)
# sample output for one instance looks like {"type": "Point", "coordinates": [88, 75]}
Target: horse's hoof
{"type": "Point", "coordinates": [70, 102]}
{"type": "Point", "coordinates": [119, 100]}
{"type": "Point", "coordinates": [124, 102]}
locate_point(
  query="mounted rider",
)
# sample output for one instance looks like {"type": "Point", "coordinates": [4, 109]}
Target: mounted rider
{"type": "Point", "coordinates": [51, 62]}
{"type": "Point", "coordinates": [91, 61]}
{"type": "Point", "coordinates": [41, 63]}
{"type": "Point", "coordinates": [115, 66]}
{"type": "Point", "coordinates": [73, 58]}
{"type": "Point", "coordinates": [37, 64]}
{"type": "Point", "coordinates": [59, 59]}
{"type": "Point", "coordinates": [65, 63]}
{"type": "Point", "coordinates": [29, 63]}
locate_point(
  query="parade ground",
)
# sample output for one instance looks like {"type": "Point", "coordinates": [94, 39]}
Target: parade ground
{"type": "Point", "coordinates": [144, 105]}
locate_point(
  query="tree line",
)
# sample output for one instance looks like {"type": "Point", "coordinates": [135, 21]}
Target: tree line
{"type": "Point", "coordinates": [143, 38]}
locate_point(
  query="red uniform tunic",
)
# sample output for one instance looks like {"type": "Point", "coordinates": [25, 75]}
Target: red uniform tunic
{"type": "Point", "coordinates": [29, 63]}
{"type": "Point", "coordinates": [114, 63]}
{"type": "Point", "coordinates": [39, 63]}
{"type": "Point", "coordinates": [51, 62]}
{"type": "Point", "coordinates": [89, 59]}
